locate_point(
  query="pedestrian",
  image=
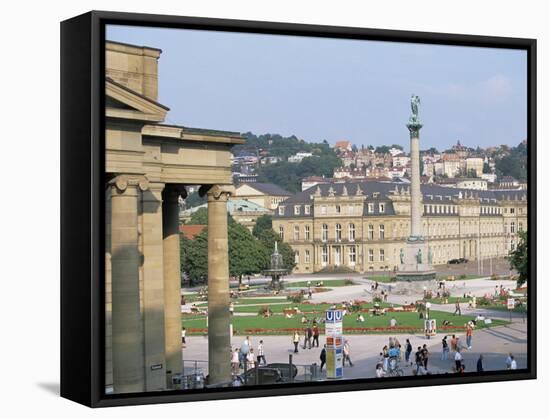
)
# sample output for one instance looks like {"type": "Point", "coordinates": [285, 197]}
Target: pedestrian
{"type": "Point", "coordinates": [323, 357]}
{"type": "Point", "coordinates": [231, 308]}
{"type": "Point", "coordinates": [315, 335]}
{"type": "Point", "coordinates": [418, 360]}
{"type": "Point", "coordinates": [480, 363]}
{"type": "Point", "coordinates": [379, 371]}
{"type": "Point", "coordinates": [386, 357]}
{"type": "Point", "coordinates": [250, 361]}
{"type": "Point", "coordinates": [458, 360]}
{"type": "Point", "coordinates": [347, 354]}
{"type": "Point", "coordinates": [425, 354]}
{"type": "Point", "coordinates": [457, 309]}
{"type": "Point", "coordinates": [261, 354]}
{"type": "Point", "coordinates": [245, 348]}
{"type": "Point", "coordinates": [469, 333]}
{"type": "Point", "coordinates": [444, 349]}
{"type": "Point", "coordinates": [513, 363]}
{"type": "Point", "coordinates": [235, 361]}
{"type": "Point", "coordinates": [393, 322]}
{"type": "Point", "coordinates": [296, 341]}
{"type": "Point", "coordinates": [183, 333]}
{"type": "Point", "coordinates": [454, 343]}
{"type": "Point", "coordinates": [408, 351]}
{"type": "Point", "coordinates": [309, 336]}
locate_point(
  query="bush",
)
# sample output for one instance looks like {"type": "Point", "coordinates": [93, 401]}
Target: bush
{"type": "Point", "coordinates": [463, 276]}
{"type": "Point", "coordinates": [484, 301]}
{"type": "Point", "coordinates": [445, 294]}
{"type": "Point", "coordinates": [264, 311]}
{"type": "Point", "coordinates": [349, 282]}
{"type": "Point", "coordinates": [295, 298]}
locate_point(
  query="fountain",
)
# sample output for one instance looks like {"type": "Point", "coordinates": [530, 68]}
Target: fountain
{"type": "Point", "coordinates": [276, 269]}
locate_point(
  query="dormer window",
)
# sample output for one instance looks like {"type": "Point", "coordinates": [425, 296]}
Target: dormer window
{"type": "Point", "coordinates": [281, 210]}
{"type": "Point", "coordinates": [307, 209]}
{"type": "Point", "coordinates": [382, 207]}
{"type": "Point", "coordinates": [370, 208]}
{"type": "Point", "coordinates": [296, 209]}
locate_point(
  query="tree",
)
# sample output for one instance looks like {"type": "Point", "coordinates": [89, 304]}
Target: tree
{"type": "Point", "coordinates": [399, 147]}
{"type": "Point", "coordinates": [194, 255]}
{"type": "Point", "coordinates": [268, 239]}
{"type": "Point", "coordinates": [247, 255]}
{"type": "Point", "coordinates": [519, 258]}
{"type": "Point", "coordinates": [199, 217]}
{"type": "Point", "coordinates": [263, 222]}
{"type": "Point", "coordinates": [383, 149]}
{"type": "Point", "coordinates": [194, 200]}
{"type": "Point", "coordinates": [486, 168]}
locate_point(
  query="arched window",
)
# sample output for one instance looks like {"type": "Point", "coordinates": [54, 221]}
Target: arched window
{"type": "Point", "coordinates": [296, 257]}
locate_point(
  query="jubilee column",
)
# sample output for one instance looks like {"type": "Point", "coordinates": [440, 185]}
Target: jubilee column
{"type": "Point", "coordinates": [219, 319]}
{"type": "Point", "coordinates": [415, 264]}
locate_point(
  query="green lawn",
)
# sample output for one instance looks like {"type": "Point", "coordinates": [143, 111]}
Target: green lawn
{"type": "Point", "coordinates": [252, 300]}
{"type": "Point", "coordinates": [278, 324]}
{"type": "Point", "coordinates": [278, 308]}
{"type": "Point", "coordinates": [380, 278]}
{"type": "Point", "coordinates": [441, 276]}
{"type": "Point", "coordinates": [519, 309]}
{"type": "Point", "coordinates": [326, 283]}
{"type": "Point", "coordinates": [451, 300]}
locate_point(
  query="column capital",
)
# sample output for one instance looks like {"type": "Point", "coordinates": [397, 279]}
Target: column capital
{"type": "Point", "coordinates": [122, 182]}
{"type": "Point", "coordinates": [217, 192]}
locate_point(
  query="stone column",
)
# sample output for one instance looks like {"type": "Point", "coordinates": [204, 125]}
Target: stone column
{"type": "Point", "coordinates": [153, 288]}
{"type": "Point", "coordinates": [416, 196]}
{"type": "Point", "coordinates": [172, 281]}
{"type": "Point", "coordinates": [219, 339]}
{"type": "Point", "coordinates": [127, 326]}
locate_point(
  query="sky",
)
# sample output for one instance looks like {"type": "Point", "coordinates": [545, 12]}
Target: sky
{"type": "Point", "coordinates": [334, 89]}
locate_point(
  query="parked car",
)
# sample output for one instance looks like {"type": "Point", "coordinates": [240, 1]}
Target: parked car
{"type": "Point", "coordinates": [453, 261]}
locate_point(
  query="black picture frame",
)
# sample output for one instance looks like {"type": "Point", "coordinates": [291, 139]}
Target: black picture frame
{"type": "Point", "coordinates": [82, 200]}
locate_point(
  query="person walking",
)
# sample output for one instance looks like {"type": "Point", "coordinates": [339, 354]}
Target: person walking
{"type": "Point", "coordinates": [444, 349]}
{"type": "Point", "coordinates": [296, 341]}
{"type": "Point", "coordinates": [261, 354]}
{"type": "Point", "coordinates": [408, 351]}
{"type": "Point", "coordinates": [235, 361]}
{"type": "Point", "coordinates": [458, 360]}
{"type": "Point", "coordinates": [469, 333]}
{"type": "Point", "coordinates": [323, 357]}
{"type": "Point", "coordinates": [457, 309]}
{"type": "Point", "coordinates": [454, 343]}
{"type": "Point", "coordinates": [309, 336]}
{"type": "Point", "coordinates": [250, 361]}
{"type": "Point", "coordinates": [315, 335]}
{"type": "Point", "coordinates": [479, 365]}
{"type": "Point", "coordinates": [418, 360]}
{"type": "Point", "coordinates": [183, 333]}
{"type": "Point", "coordinates": [425, 354]}
{"type": "Point", "coordinates": [347, 354]}
{"type": "Point", "coordinates": [513, 363]}
{"type": "Point", "coordinates": [245, 348]}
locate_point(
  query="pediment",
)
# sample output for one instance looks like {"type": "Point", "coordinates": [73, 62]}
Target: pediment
{"type": "Point", "coordinates": [123, 103]}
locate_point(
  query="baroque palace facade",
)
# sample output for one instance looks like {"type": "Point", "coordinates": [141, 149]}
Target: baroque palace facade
{"type": "Point", "coordinates": [364, 226]}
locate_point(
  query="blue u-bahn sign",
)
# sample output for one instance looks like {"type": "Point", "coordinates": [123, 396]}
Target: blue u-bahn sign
{"type": "Point", "coordinates": [333, 316]}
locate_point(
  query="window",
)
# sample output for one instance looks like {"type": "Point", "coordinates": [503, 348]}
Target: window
{"type": "Point", "coordinates": [338, 209]}
{"type": "Point", "coordinates": [381, 233]}
{"type": "Point", "coordinates": [281, 210]}
{"type": "Point", "coordinates": [296, 257]}
{"type": "Point", "coordinates": [370, 208]}
{"type": "Point", "coordinates": [338, 231]}
{"type": "Point", "coordinates": [296, 209]}
{"type": "Point", "coordinates": [506, 227]}
{"type": "Point", "coordinates": [306, 232]}
{"type": "Point", "coordinates": [307, 209]}
{"type": "Point", "coordinates": [324, 233]}
{"type": "Point", "coordinates": [324, 255]}
{"type": "Point", "coordinates": [371, 232]}
{"type": "Point", "coordinates": [382, 207]}
{"type": "Point", "coordinates": [296, 232]}
{"type": "Point", "coordinates": [520, 226]}
{"type": "Point", "coordinates": [512, 210]}
{"type": "Point", "coordinates": [371, 255]}
{"type": "Point", "coordinates": [512, 227]}
{"type": "Point", "coordinates": [381, 255]}
{"type": "Point", "coordinates": [351, 232]}
{"type": "Point", "coordinates": [323, 209]}
{"type": "Point", "coordinates": [307, 257]}
{"type": "Point", "coordinates": [352, 256]}
{"type": "Point", "coordinates": [282, 232]}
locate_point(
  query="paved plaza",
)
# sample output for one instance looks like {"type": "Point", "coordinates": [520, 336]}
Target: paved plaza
{"type": "Point", "coordinates": [494, 343]}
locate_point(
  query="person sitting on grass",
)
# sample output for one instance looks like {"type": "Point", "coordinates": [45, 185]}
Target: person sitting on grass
{"type": "Point", "coordinates": [393, 322]}
{"type": "Point", "coordinates": [360, 318]}
{"type": "Point", "coordinates": [304, 319]}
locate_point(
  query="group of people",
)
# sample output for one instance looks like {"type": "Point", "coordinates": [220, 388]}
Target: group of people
{"type": "Point", "coordinates": [311, 336]}
{"type": "Point", "coordinates": [245, 357]}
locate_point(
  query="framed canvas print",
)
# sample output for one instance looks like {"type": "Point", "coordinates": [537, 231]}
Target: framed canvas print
{"type": "Point", "coordinates": [260, 209]}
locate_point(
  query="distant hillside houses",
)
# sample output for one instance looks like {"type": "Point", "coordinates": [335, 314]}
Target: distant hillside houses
{"type": "Point", "coordinates": [298, 157]}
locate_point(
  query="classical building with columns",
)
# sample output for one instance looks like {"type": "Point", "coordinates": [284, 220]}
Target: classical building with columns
{"type": "Point", "coordinates": [148, 165]}
{"type": "Point", "coordinates": [364, 226]}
